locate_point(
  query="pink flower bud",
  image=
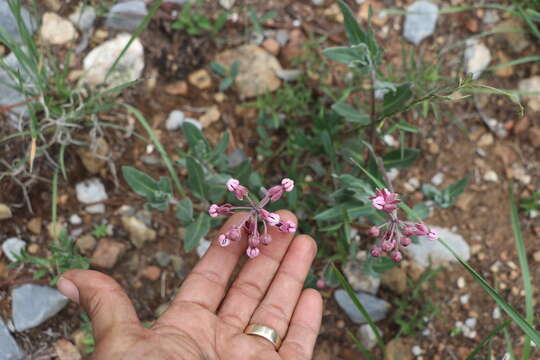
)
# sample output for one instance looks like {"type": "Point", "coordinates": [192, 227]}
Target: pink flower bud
{"type": "Point", "coordinates": [266, 239]}
{"type": "Point", "coordinates": [239, 191]}
{"type": "Point", "coordinates": [396, 256]}
{"type": "Point", "coordinates": [408, 230]}
{"type": "Point", "coordinates": [253, 252]}
{"type": "Point", "coordinates": [224, 240]}
{"type": "Point", "coordinates": [275, 193]}
{"type": "Point", "coordinates": [405, 241]}
{"type": "Point", "coordinates": [385, 200]}
{"type": "Point", "coordinates": [288, 184]}
{"type": "Point", "coordinates": [271, 218]}
{"type": "Point", "coordinates": [374, 231]}
{"type": "Point", "coordinates": [387, 246]}
{"type": "Point", "coordinates": [234, 234]}
{"type": "Point", "coordinates": [421, 229]}
{"type": "Point", "coordinates": [432, 235]}
{"type": "Point", "coordinates": [213, 210]}
{"type": "Point", "coordinates": [376, 251]}
{"type": "Point", "coordinates": [321, 284]}
{"type": "Point", "coordinates": [287, 226]}
{"type": "Point", "coordinates": [254, 240]}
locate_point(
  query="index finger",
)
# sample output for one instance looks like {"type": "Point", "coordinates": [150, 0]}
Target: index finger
{"type": "Point", "coordinates": [207, 282]}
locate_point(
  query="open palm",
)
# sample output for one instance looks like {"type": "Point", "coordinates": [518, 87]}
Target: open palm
{"type": "Point", "coordinates": [207, 318]}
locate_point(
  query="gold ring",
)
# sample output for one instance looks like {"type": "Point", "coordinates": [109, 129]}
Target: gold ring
{"type": "Point", "coordinates": [266, 332]}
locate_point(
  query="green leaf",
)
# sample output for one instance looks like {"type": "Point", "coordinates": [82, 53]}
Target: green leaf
{"type": "Point", "coordinates": [140, 183]}
{"type": "Point", "coordinates": [193, 135]}
{"type": "Point", "coordinates": [345, 54]}
{"type": "Point", "coordinates": [226, 83]}
{"type": "Point", "coordinates": [351, 114]}
{"type": "Point", "coordinates": [184, 210]}
{"type": "Point", "coordinates": [354, 211]}
{"type": "Point", "coordinates": [40, 273]}
{"type": "Point", "coordinates": [218, 68]}
{"type": "Point", "coordinates": [421, 211]}
{"type": "Point", "coordinates": [330, 277]}
{"type": "Point", "coordinates": [489, 336]}
{"type": "Point", "coordinates": [196, 231]}
{"type": "Point", "coordinates": [196, 181]}
{"type": "Point", "coordinates": [455, 189]}
{"type": "Point", "coordinates": [394, 158]}
{"type": "Point", "coordinates": [395, 101]}
{"type": "Point", "coordinates": [235, 67]}
{"type": "Point", "coordinates": [355, 34]}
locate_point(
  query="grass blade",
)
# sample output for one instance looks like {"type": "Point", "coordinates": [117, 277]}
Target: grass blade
{"type": "Point", "coordinates": [348, 288]}
{"type": "Point", "coordinates": [166, 159]}
{"type": "Point", "coordinates": [524, 266]}
{"type": "Point", "coordinates": [360, 346]}
{"type": "Point", "coordinates": [488, 337]}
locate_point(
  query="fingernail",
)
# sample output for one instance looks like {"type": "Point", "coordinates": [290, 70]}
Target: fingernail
{"type": "Point", "coordinates": [68, 289]}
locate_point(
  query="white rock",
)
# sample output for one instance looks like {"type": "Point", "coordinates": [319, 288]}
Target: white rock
{"type": "Point", "coordinates": [289, 75]}
{"type": "Point", "coordinates": [75, 219]}
{"type": "Point", "coordinates": [531, 84]}
{"type": "Point", "coordinates": [98, 62]}
{"type": "Point", "coordinates": [12, 247]}
{"type": "Point", "coordinates": [175, 120]}
{"type": "Point", "coordinates": [417, 350]}
{"type": "Point", "coordinates": [471, 323]}
{"type": "Point", "coordinates": [437, 179]}
{"type": "Point", "coordinates": [464, 299]}
{"type": "Point", "coordinates": [477, 57]}
{"type": "Point", "coordinates": [367, 336]}
{"type": "Point", "coordinates": [496, 314]}
{"type": "Point", "coordinates": [227, 4]}
{"type": "Point", "coordinates": [420, 21]}
{"type": "Point", "coordinates": [393, 173]}
{"type": "Point", "coordinates": [491, 176]}
{"type": "Point", "coordinates": [56, 30]}
{"type": "Point", "coordinates": [92, 191]}
{"type": "Point", "coordinates": [203, 247]}
{"type": "Point", "coordinates": [461, 282]}
{"type": "Point", "coordinates": [428, 250]}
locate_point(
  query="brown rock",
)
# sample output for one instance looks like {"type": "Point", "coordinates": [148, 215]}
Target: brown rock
{"type": "Point", "coordinates": [151, 273]}
{"type": "Point", "coordinates": [378, 18]}
{"type": "Point", "coordinates": [34, 225]}
{"type": "Point", "coordinates": [80, 339]}
{"type": "Point", "coordinates": [294, 48]}
{"type": "Point", "coordinates": [66, 350]}
{"type": "Point", "coordinates": [534, 136]}
{"type": "Point", "coordinates": [514, 33]}
{"type": "Point", "coordinates": [333, 13]}
{"type": "Point", "coordinates": [506, 71]}
{"type": "Point", "coordinates": [54, 229]}
{"type": "Point", "coordinates": [177, 88]}
{"type": "Point", "coordinates": [5, 212]}
{"type": "Point", "coordinates": [536, 256]}
{"type": "Point", "coordinates": [201, 79]}
{"type": "Point", "coordinates": [210, 116]}
{"type": "Point", "coordinates": [107, 253]}
{"type": "Point", "coordinates": [86, 243]}
{"type": "Point", "coordinates": [139, 233]}
{"type": "Point", "coordinates": [465, 200]}
{"type": "Point", "coordinates": [397, 350]}
{"type": "Point", "coordinates": [272, 46]}
{"type": "Point", "coordinates": [395, 279]}
{"type": "Point", "coordinates": [472, 25]}
{"type": "Point", "coordinates": [257, 69]}
{"type": "Point", "coordinates": [33, 249]}
{"type": "Point", "coordinates": [521, 125]}
{"type": "Point", "coordinates": [506, 153]}
{"type": "Point", "coordinates": [415, 271]}
{"type": "Point", "coordinates": [94, 159]}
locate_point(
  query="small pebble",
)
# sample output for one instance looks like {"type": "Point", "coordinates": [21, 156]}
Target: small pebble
{"type": "Point", "coordinates": [461, 282]}
{"type": "Point", "coordinates": [464, 299]}
{"type": "Point", "coordinates": [75, 219]}
{"type": "Point", "coordinates": [437, 179]}
{"type": "Point", "coordinates": [471, 323]}
{"type": "Point", "coordinates": [417, 350]}
{"type": "Point", "coordinates": [491, 176]}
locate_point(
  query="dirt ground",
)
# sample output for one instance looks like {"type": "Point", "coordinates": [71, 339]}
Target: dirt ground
{"type": "Point", "coordinates": [449, 146]}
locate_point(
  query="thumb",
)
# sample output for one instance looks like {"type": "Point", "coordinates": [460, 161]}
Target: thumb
{"type": "Point", "coordinates": [101, 297]}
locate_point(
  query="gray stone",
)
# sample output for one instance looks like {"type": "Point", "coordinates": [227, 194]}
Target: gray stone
{"type": "Point", "coordinates": [359, 279]}
{"type": "Point", "coordinates": [34, 304]}
{"type": "Point", "coordinates": [9, 23]}
{"type": "Point", "coordinates": [99, 61]}
{"type": "Point", "coordinates": [282, 36]}
{"type": "Point", "coordinates": [11, 90]}
{"type": "Point", "coordinates": [203, 247]}
{"type": "Point", "coordinates": [236, 157]}
{"type": "Point", "coordinates": [420, 21]}
{"type": "Point", "coordinates": [426, 251]}
{"type": "Point", "coordinates": [83, 18]}
{"type": "Point", "coordinates": [289, 75]}
{"type": "Point", "coordinates": [175, 120]}
{"type": "Point", "coordinates": [8, 346]}
{"type": "Point", "coordinates": [178, 266]}
{"type": "Point", "coordinates": [126, 15]}
{"type": "Point", "coordinates": [12, 247]}
{"type": "Point", "coordinates": [477, 58]}
{"type": "Point", "coordinates": [376, 308]}
{"type": "Point", "coordinates": [162, 258]}
{"type": "Point", "coordinates": [92, 191]}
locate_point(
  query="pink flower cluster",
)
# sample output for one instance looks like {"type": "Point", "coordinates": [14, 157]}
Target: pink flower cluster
{"type": "Point", "coordinates": [394, 234]}
{"type": "Point", "coordinates": [250, 224]}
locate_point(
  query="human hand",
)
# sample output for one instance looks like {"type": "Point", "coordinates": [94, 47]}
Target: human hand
{"type": "Point", "coordinates": [207, 319]}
